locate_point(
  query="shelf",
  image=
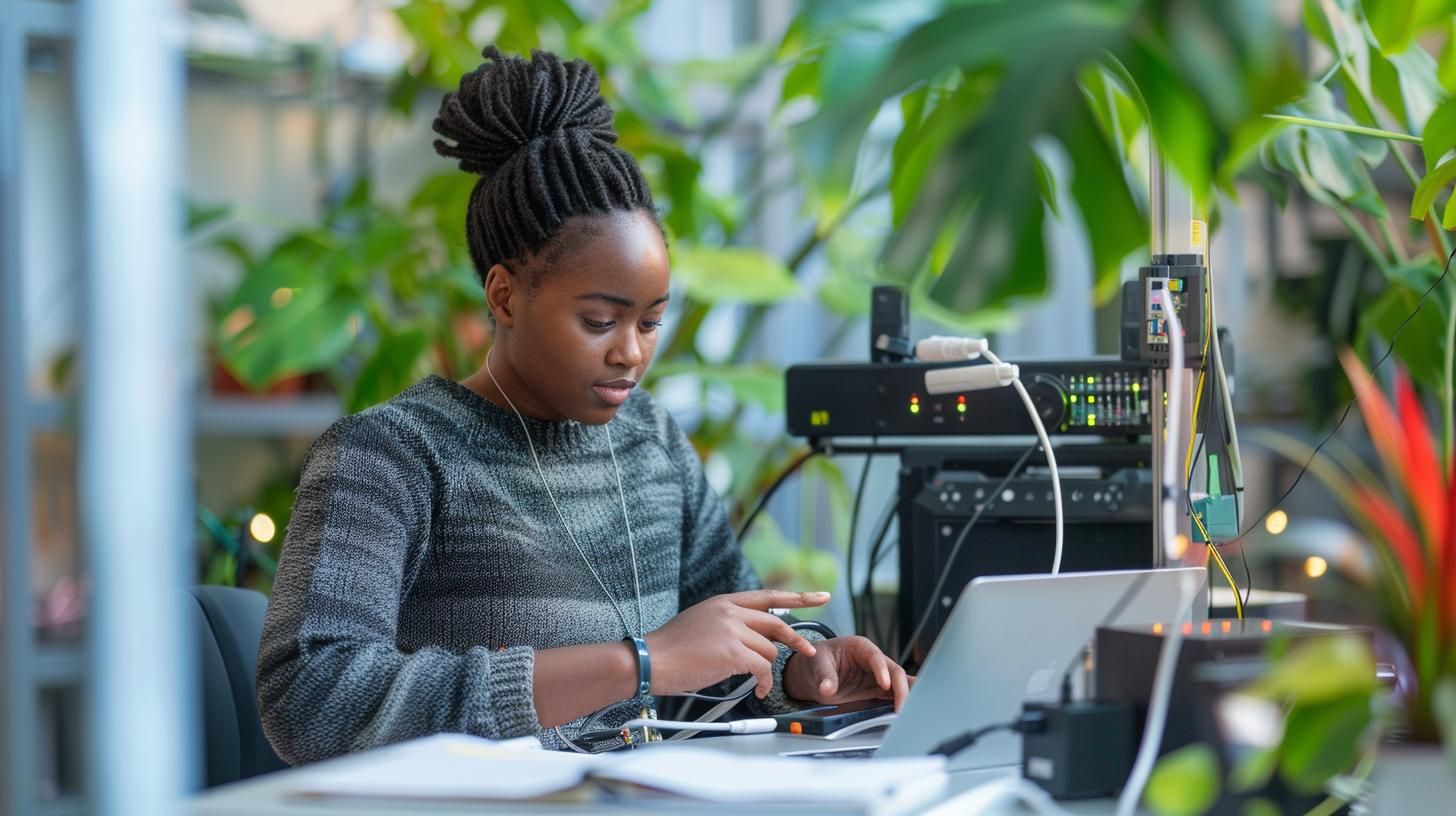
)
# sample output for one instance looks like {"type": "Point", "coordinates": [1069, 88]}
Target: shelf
{"type": "Point", "coordinates": [58, 665]}
{"type": "Point", "coordinates": [227, 417]}
{"type": "Point", "coordinates": [65, 806]}
{"type": "Point", "coordinates": [243, 417]}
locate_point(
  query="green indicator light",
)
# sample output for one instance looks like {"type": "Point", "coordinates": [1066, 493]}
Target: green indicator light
{"type": "Point", "coordinates": [961, 407]}
{"type": "Point", "coordinates": [1074, 398]}
{"type": "Point", "coordinates": [914, 409]}
{"type": "Point", "coordinates": [1136, 387]}
{"type": "Point", "coordinates": [1091, 420]}
{"type": "Point", "coordinates": [1091, 397]}
{"type": "Point", "coordinates": [1091, 380]}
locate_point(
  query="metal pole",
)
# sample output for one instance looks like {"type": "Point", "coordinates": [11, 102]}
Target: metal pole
{"type": "Point", "coordinates": [18, 742]}
{"type": "Point", "coordinates": [136, 408]}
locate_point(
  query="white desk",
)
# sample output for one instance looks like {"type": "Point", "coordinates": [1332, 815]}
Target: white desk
{"type": "Point", "coordinates": [269, 795]}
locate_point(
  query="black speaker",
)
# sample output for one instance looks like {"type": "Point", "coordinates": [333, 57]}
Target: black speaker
{"type": "Point", "coordinates": [1107, 499]}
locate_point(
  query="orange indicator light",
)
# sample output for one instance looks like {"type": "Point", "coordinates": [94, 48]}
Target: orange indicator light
{"type": "Point", "coordinates": [1157, 628]}
{"type": "Point", "coordinates": [1207, 628]}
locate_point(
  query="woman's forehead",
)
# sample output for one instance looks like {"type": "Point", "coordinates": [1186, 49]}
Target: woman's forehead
{"type": "Point", "coordinates": [620, 254]}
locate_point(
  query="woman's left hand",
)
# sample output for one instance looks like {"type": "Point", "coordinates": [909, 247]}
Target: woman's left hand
{"type": "Point", "coordinates": [845, 669]}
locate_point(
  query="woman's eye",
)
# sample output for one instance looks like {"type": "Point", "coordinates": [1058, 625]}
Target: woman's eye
{"type": "Point", "coordinates": [651, 325]}
{"type": "Point", "coordinates": [597, 324]}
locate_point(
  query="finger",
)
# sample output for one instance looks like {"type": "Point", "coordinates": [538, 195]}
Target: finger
{"type": "Point", "coordinates": [881, 667]}
{"type": "Point", "coordinates": [762, 670]}
{"type": "Point", "coordinates": [827, 675]}
{"type": "Point", "coordinates": [776, 629]}
{"type": "Point", "coordinates": [901, 682]}
{"type": "Point", "coordinates": [766, 599]}
{"type": "Point", "coordinates": [761, 646]}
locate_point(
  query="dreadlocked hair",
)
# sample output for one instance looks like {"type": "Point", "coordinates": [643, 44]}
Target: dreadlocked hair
{"type": "Point", "coordinates": [540, 136]}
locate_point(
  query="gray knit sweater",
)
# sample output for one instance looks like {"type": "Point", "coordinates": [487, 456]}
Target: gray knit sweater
{"type": "Point", "coordinates": [424, 565]}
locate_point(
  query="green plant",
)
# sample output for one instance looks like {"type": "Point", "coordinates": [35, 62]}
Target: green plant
{"type": "Point", "coordinates": [374, 295]}
{"type": "Point", "coordinates": [991, 92]}
{"type": "Point", "coordinates": [1320, 696]}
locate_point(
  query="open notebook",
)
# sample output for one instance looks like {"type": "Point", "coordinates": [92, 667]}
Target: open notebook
{"type": "Point", "coordinates": [454, 767]}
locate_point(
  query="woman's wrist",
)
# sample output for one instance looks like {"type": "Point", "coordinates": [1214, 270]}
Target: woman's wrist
{"type": "Point", "coordinates": [642, 662]}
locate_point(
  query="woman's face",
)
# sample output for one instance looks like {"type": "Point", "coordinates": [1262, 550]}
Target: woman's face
{"type": "Point", "coordinates": [582, 336]}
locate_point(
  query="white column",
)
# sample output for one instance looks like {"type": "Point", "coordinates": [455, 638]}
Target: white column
{"type": "Point", "coordinates": [136, 408]}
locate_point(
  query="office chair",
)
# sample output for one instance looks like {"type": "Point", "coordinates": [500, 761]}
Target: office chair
{"type": "Point", "coordinates": [230, 625]}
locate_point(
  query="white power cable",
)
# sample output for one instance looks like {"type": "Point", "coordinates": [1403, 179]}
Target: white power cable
{"type": "Point", "coordinates": [755, 725]}
{"type": "Point", "coordinates": [1046, 445]}
{"type": "Point", "coordinates": [1152, 739]}
{"type": "Point", "coordinates": [1162, 692]}
{"type": "Point", "coordinates": [1174, 415]}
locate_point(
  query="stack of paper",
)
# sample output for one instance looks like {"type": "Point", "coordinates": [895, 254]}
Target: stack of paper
{"type": "Point", "coordinates": [463, 768]}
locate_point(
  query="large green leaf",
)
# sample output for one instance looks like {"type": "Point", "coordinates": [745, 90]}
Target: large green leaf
{"type": "Point", "coordinates": [1421, 347]}
{"type": "Point", "coordinates": [1320, 670]}
{"type": "Point", "coordinates": [308, 333]}
{"type": "Point", "coordinates": [1439, 134]}
{"type": "Point", "coordinates": [1326, 161]}
{"type": "Point", "coordinates": [1322, 740]}
{"type": "Point", "coordinates": [1185, 782]}
{"type": "Point", "coordinates": [1114, 226]}
{"type": "Point", "coordinates": [1407, 86]}
{"type": "Point", "coordinates": [390, 370]}
{"type": "Point", "coordinates": [1395, 23]}
{"type": "Point", "coordinates": [757, 383]}
{"type": "Point", "coordinates": [732, 274]}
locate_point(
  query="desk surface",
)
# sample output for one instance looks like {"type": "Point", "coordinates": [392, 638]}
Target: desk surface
{"type": "Point", "coordinates": [269, 795]}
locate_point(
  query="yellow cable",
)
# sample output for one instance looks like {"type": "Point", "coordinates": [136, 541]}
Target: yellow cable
{"type": "Point", "coordinates": [1228, 576]}
{"type": "Point", "coordinates": [1202, 371]}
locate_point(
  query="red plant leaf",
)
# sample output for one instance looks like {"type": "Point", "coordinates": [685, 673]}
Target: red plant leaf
{"type": "Point", "coordinates": [1448, 555]}
{"type": "Point", "coordinates": [1401, 538]}
{"type": "Point", "coordinates": [1423, 471]}
{"type": "Point", "coordinates": [1380, 418]}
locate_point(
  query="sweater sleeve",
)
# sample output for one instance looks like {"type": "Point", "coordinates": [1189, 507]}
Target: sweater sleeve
{"type": "Point", "coordinates": [713, 563]}
{"type": "Point", "coordinates": [331, 677]}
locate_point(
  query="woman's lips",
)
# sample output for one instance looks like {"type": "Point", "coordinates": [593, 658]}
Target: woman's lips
{"type": "Point", "coordinates": [614, 393]}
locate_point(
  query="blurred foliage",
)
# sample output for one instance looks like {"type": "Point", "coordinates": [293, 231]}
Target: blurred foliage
{"type": "Point", "coordinates": [1382, 94]}
{"type": "Point", "coordinates": [375, 296]}
{"type": "Point", "coordinates": [932, 138]}
{"type": "Point", "coordinates": [1320, 695]}
{"type": "Point", "coordinates": [988, 90]}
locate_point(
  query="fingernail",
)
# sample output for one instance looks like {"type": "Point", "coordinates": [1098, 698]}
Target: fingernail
{"type": "Point", "coordinates": [810, 650]}
{"type": "Point", "coordinates": [824, 684]}
{"type": "Point", "coordinates": [816, 596]}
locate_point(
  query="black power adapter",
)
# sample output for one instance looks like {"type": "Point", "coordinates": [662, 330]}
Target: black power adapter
{"type": "Point", "coordinates": [1082, 750]}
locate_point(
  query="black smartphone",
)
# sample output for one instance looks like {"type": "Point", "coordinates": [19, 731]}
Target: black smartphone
{"type": "Point", "coordinates": [822, 721]}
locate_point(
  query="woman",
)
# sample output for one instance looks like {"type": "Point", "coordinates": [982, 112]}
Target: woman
{"type": "Point", "coordinates": [508, 554]}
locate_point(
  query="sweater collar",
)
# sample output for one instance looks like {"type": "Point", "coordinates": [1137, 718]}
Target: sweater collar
{"type": "Point", "coordinates": [546, 435]}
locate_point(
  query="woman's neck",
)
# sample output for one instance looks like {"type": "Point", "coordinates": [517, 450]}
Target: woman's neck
{"type": "Point", "coordinates": [506, 389]}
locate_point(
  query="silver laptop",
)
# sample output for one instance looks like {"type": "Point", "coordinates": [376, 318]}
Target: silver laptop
{"type": "Point", "coordinates": [1008, 640]}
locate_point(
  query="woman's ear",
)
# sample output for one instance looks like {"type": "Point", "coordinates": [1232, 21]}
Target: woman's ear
{"type": "Point", "coordinates": [501, 286]}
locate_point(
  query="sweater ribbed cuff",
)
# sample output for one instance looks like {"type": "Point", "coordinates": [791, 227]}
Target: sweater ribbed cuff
{"type": "Point", "coordinates": [510, 691]}
{"type": "Point", "coordinates": [777, 701]}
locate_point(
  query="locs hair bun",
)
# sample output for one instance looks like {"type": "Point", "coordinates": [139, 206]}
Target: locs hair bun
{"type": "Point", "coordinates": [507, 103]}
{"type": "Point", "coordinates": [540, 136]}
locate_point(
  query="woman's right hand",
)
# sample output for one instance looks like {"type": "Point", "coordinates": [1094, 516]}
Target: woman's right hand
{"type": "Point", "coordinates": [727, 635]}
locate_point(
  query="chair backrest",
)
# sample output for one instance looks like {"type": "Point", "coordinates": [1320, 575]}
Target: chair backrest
{"type": "Point", "coordinates": [230, 624]}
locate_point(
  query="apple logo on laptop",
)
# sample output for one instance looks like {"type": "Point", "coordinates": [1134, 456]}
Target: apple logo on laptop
{"type": "Point", "coordinates": [1041, 679]}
